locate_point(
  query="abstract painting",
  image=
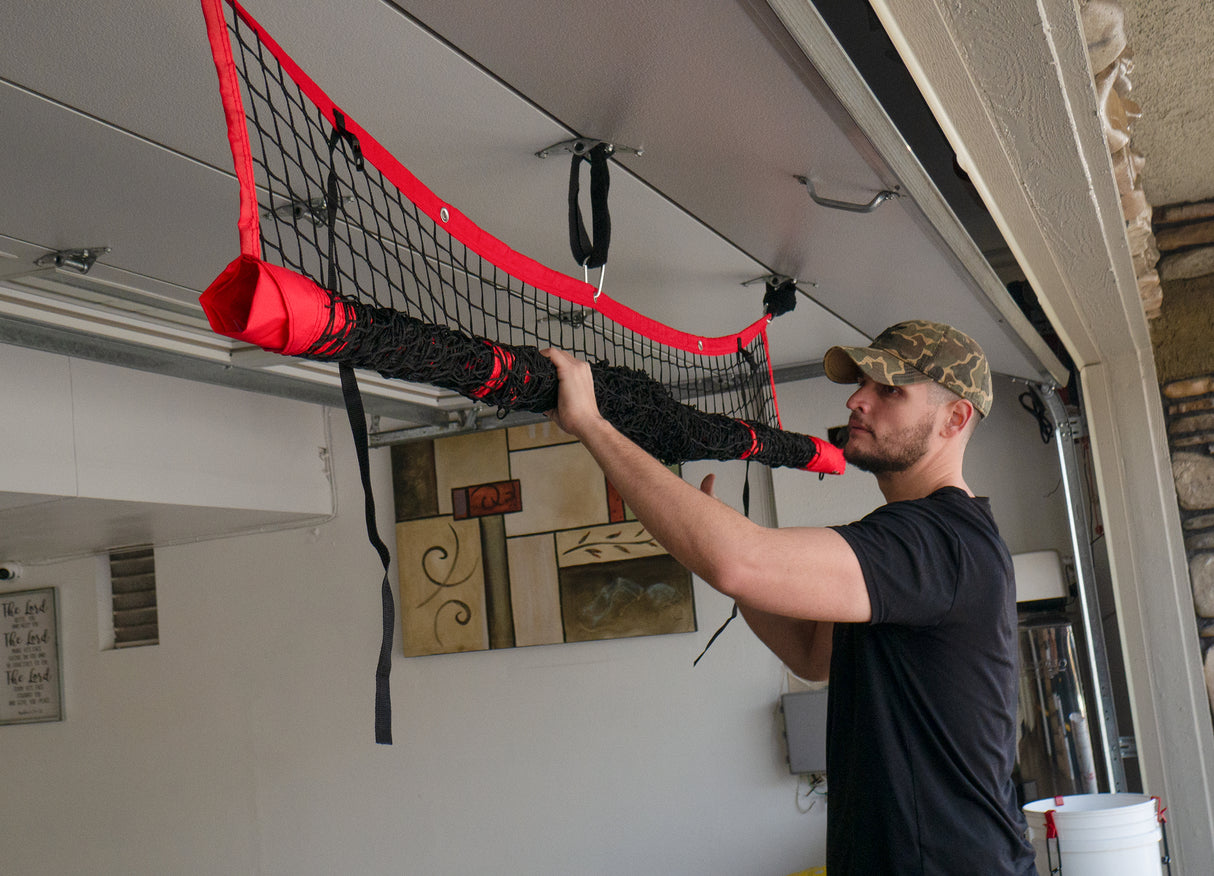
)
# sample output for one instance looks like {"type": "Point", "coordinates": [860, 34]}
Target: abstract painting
{"type": "Point", "coordinates": [513, 537]}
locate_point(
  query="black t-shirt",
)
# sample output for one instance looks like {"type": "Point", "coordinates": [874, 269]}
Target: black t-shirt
{"type": "Point", "coordinates": [922, 707]}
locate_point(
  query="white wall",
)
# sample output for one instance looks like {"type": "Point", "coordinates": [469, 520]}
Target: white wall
{"type": "Point", "coordinates": [243, 743]}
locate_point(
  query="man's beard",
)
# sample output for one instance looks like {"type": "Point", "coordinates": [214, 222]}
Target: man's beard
{"type": "Point", "coordinates": [896, 453]}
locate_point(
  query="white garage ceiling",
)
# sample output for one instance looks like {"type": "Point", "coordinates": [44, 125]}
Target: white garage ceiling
{"type": "Point", "coordinates": [116, 140]}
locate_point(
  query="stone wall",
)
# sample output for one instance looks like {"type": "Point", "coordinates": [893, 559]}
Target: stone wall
{"type": "Point", "coordinates": [1183, 334]}
{"type": "Point", "coordinates": [1189, 407]}
{"type": "Point", "coordinates": [1112, 65]}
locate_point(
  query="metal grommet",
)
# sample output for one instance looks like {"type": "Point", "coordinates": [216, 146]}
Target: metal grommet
{"type": "Point", "coordinates": [444, 215]}
{"type": "Point", "coordinates": [701, 345]}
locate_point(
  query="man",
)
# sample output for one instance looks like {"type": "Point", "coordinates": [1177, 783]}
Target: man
{"type": "Point", "coordinates": [910, 612]}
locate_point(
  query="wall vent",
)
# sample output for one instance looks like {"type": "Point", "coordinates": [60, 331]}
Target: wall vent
{"type": "Point", "coordinates": [133, 586]}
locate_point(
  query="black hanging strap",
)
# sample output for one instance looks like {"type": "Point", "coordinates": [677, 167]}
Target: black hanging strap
{"type": "Point", "coordinates": [744, 354]}
{"type": "Point", "coordinates": [746, 492]}
{"type": "Point", "coordinates": [341, 135]}
{"type": "Point", "coordinates": [720, 630]}
{"type": "Point", "coordinates": [588, 253]}
{"type": "Point", "coordinates": [734, 613]}
{"type": "Point", "coordinates": [358, 428]}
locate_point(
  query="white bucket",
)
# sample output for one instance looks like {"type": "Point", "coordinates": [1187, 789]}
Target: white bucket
{"type": "Point", "coordinates": [1098, 835]}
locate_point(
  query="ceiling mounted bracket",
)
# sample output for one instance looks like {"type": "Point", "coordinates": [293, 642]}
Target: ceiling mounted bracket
{"type": "Point", "coordinates": [576, 318]}
{"type": "Point", "coordinates": [583, 145]}
{"type": "Point", "coordinates": [774, 279]}
{"type": "Point", "coordinates": [878, 199]}
{"type": "Point", "coordinates": [79, 260]}
{"type": "Point", "coordinates": [315, 210]}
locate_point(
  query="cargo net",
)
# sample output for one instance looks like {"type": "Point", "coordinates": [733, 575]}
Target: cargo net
{"type": "Point", "coordinates": [347, 257]}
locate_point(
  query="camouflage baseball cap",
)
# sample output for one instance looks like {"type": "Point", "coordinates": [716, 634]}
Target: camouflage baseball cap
{"type": "Point", "coordinates": [917, 351]}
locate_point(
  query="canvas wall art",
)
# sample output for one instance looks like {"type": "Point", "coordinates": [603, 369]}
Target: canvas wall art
{"type": "Point", "coordinates": [513, 537]}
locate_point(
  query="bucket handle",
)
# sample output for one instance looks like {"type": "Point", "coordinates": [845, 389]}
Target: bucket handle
{"type": "Point", "coordinates": [1051, 833]}
{"type": "Point", "coordinates": [1160, 809]}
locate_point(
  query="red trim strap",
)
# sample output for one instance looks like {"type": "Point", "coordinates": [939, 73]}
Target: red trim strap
{"type": "Point", "coordinates": [771, 375]}
{"type": "Point", "coordinates": [754, 441]}
{"type": "Point", "coordinates": [503, 361]}
{"type": "Point", "coordinates": [238, 132]}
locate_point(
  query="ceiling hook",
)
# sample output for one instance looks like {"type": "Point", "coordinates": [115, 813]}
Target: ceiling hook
{"type": "Point", "coordinates": [880, 198]}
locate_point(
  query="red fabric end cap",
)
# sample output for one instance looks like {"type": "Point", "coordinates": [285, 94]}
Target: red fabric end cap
{"type": "Point", "coordinates": [268, 305]}
{"type": "Point", "coordinates": [829, 459]}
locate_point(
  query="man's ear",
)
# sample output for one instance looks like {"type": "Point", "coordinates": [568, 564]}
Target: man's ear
{"type": "Point", "coordinates": [960, 413]}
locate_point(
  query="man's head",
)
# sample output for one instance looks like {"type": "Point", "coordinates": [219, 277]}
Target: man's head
{"type": "Point", "coordinates": [917, 351]}
{"type": "Point", "coordinates": [915, 380]}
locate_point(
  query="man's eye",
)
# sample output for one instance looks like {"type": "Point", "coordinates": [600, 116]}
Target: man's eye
{"type": "Point", "coordinates": [890, 390]}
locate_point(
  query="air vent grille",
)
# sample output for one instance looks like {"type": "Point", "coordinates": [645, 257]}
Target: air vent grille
{"type": "Point", "coordinates": [133, 585]}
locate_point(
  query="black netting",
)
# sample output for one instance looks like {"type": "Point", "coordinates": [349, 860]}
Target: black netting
{"type": "Point", "coordinates": [389, 254]}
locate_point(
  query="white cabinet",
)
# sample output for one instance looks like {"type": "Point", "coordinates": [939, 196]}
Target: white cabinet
{"type": "Point", "coordinates": [94, 456]}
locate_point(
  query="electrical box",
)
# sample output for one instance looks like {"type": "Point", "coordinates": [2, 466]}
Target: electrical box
{"type": "Point", "coordinates": [805, 730]}
{"type": "Point", "coordinates": [1039, 576]}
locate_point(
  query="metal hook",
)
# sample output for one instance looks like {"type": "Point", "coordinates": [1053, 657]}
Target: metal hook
{"type": "Point", "coordinates": [878, 199]}
{"type": "Point", "coordinates": [602, 275]}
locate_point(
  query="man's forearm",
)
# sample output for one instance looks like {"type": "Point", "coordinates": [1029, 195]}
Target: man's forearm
{"type": "Point", "coordinates": [680, 517]}
{"type": "Point", "coordinates": [800, 572]}
{"type": "Point", "coordinates": [657, 497]}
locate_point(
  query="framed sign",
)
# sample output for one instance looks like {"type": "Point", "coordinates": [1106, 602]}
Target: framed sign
{"type": "Point", "coordinates": [29, 657]}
